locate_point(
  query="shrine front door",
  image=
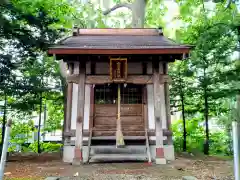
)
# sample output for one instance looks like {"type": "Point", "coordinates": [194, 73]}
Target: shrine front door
{"type": "Point", "coordinates": [131, 110]}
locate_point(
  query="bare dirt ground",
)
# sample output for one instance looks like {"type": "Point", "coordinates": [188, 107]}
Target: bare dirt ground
{"type": "Point", "coordinates": [36, 167]}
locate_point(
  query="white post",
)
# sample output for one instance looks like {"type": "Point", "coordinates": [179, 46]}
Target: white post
{"type": "Point", "coordinates": [236, 148]}
{"type": "Point", "coordinates": [5, 148]}
{"type": "Point", "coordinates": [236, 141]}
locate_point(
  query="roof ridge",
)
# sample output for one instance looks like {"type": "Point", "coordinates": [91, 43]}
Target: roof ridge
{"type": "Point", "coordinates": [118, 32]}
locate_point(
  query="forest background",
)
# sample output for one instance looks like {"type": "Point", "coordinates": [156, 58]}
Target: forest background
{"type": "Point", "coordinates": [204, 87]}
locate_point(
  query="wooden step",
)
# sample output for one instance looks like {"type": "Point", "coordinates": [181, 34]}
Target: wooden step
{"type": "Point", "coordinates": [111, 149]}
{"type": "Point", "coordinates": [119, 157]}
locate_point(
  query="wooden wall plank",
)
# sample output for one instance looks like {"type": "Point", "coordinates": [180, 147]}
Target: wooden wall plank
{"type": "Point", "coordinates": [105, 110]}
{"type": "Point", "coordinates": [111, 120]}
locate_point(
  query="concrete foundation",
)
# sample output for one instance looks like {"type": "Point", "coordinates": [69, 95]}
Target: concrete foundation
{"type": "Point", "coordinates": [68, 152]}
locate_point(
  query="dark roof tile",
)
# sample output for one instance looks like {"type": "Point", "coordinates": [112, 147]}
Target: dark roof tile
{"type": "Point", "coordinates": [118, 42]}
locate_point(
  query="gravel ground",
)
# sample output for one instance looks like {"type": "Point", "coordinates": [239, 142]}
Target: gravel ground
{"type": "Point", "coordinates": [38, 167]}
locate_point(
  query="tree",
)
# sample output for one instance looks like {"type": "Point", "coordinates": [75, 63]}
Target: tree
{"type": "Point", "coordinates": [214, 41]}
{"type": "Point", "coordinates": [27, 28]}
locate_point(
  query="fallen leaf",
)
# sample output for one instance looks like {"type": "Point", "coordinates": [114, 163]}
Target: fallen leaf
{"type": "Point", "coordinates": [7, 173]}
{"type": "Point", "coordinates": [76, 174]}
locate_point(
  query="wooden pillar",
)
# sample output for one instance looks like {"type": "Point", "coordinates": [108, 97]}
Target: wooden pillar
{"type": "Point", "coordinates": [158, 109]}
{"type": "Point", "coordinates": [69, 100]}
{"type": "Point", "coordinates": [167, 100]}
{"type": "Point", "coordinates": [78, 158]}
{"type": "Point", "coordinates": [91, 107]}
{"type": "Point", "coordinates": [162, 95]}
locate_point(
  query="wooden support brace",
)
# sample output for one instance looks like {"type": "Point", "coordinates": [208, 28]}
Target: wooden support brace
{"type": "Point", "coordinates": [163, 78]}
{"type": "Point", "coordinates": [73, 78]}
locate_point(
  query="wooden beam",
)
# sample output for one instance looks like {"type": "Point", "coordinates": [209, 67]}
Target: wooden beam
{"type": "Point", "coordinates": [87, 51]}
{"type": "Point", "coordinates": [85, 142]}
{"type": "Point", "coordinates": [120, 31]}
{"type": "Point", "coordinates": [104, 79]}
{"type": "Point", "coordinates": [73, 78]}
{"type": "Point", "coordinates": [164, 78]}
{"type": "Point", "coordinates": [78, 158]}
{"type": "Point", "coordinates": [151, 132]}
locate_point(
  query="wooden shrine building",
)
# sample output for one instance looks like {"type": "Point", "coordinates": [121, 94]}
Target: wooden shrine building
{"type": "Point", "coordinates": [118, 105]}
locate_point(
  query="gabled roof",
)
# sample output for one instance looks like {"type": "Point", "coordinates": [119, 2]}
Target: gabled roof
{"type": "Point", "coordinates": [118, 41]}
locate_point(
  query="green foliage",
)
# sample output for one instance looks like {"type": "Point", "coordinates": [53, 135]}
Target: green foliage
{"type": "Point", "coordinates": [219, 144]}
{"type": "Point", "coordinates": [55, 116]}
{"type": "Point", "coordinates": [206, 80]}
{"type": "Point", "coordinates": [45, 147]}
{"type": "Point", "coordinates": [195, 135]}
{"type": "Point", "coordinates": [28, 28]}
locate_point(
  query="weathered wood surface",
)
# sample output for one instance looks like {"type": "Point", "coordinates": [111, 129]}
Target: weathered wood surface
{"type": "Point", "coordinates": [164, 78]}
{"type": "Point", "coordinates": [159, 110]}
{"type": "Point", "coordinates": [69, 101]}
{"type": "Point", "coordinates": [111, 110]}
{"type": "Point", "coordinates": [91, 107]}
{"type": "Point", "coordinates": [80, 115]}
{"type": "Point", "coordinates": [131, 115]}
{"type": "Point", "coordinates": [104, 79]}
{"type": "Point", "coordinates": [126, 120]}
{"type": "Point", "coordinates": [111, 31]}
{"type": "Point", "coordinates": [124, 127]}
{"type": "Point", "coordinates": [73, 78]}
{"type": "Point", "coordinates": [167, 100]}
{"type": "Point", "coordinates": [85, 142]}
{"type": "Point", "coordinates": [86, 132]}
{"type": "Point", "coordinates": [112, 133]}
{"type": "Point", "coordinates": [105, 110]}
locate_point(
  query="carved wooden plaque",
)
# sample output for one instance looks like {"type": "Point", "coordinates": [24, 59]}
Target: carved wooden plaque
{"type": "Point", "coordinates": [118, 69]}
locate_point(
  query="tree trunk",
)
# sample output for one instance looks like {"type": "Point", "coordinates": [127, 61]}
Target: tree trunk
{"type": "Point", "coordinates": [39, 124]}
{"type": "Point", "coordinates": [4, 117]}
{"type": "Point", "coordinates": [64, 91]}
{"type": "Point", "coordinates": [184, 122]}
{"type": "Point", "coordinates": [206, 143]}
{"type": "Point", "coordinates": [138, 12]}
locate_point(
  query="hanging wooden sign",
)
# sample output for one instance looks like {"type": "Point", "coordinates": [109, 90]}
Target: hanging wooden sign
{"type": "Point", "coordinates": [118, 69]}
